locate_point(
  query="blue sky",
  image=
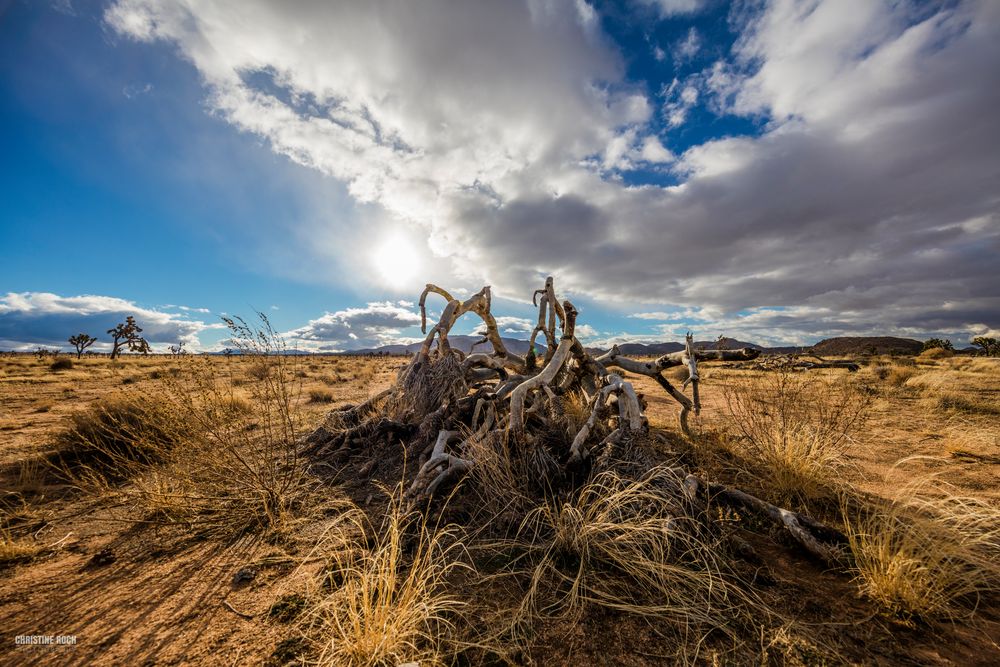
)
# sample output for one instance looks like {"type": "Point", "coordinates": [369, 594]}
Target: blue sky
{"type": "Point", "coordinates": [774, 171]}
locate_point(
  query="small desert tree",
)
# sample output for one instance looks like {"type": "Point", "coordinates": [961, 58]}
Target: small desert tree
{"type": "Point", "coordinates": [177, 349]}
{"type": "Point", "coordinates": [81, 342]}
{"type": "Point", "coordinates": [127, 334]}
{"type": "Point", "coordinates": [989, 346]}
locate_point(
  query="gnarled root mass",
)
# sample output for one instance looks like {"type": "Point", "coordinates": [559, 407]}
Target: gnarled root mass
{"type": "Point", "coordinates": [556, 417]}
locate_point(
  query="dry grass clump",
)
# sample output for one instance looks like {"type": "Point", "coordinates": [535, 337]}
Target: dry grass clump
{"type": "Point", "coordinates": [16, 519]}
{"type": "Point", "coordinates": [320, 396]}
{"type": "Point", "coordinates": [117, 436]}
{"type": "Point", "coordinates": [15, 550]}
{"type": "Point", "coordinates": [794, 429]}
{"type": "Point", "coordinates": [389, 604]}
{"type": "Point", "coordinates": [934, 354]}
{"type": "Point", "coordinates": [505, 485]}
{"type": "Point", "coordinates": [927, 554]}
{"type": "Point", "coordinates": [61, 365]}
{"type": "Point", "coordinates": [239, 472]}
{"type": "Point", "coordinates": [898, 375]}
{"type": "Point", "coordinates": [967, 403]}
{"type": "Point", "coordinates": [626, 545]}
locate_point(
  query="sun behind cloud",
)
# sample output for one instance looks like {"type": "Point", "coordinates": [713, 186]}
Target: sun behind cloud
{"type": "Point", "coordinates": [396, 260]}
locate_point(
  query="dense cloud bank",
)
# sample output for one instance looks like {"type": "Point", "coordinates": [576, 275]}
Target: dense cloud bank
{"type": "Point", "coordinates": [506, 132]}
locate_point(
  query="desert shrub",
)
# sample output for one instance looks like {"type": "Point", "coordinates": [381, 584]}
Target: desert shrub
{"type": "Point", "coordinates": [115, 437]}
{"type": "Point", "coordinates": [61, 365]}
{"type": "Point", "coordinates": [794, 428]}
{"type": "Point", "coordinates": [898, 375]}
{"type": "Point", "coordinates": [389, 603]}
{"type": "Point", "coordinates": [15, 550]}
{"type": "Point", "coordinates": [625, 545]}
{"type": "Point", "coordinates": [241, 472]}
{"type": "Point", "coordinates": [881, 371]}
{"type": "Point", "coordinates": [937, 344]}
{"type": "Point", "coordinates": [320, 396]}
{"type": "Point", "coordinates": [970, 404]}
{"type": "Point", "coordinates": [924, 554]}
{"type": "Point", "coordinates": [935, 353]}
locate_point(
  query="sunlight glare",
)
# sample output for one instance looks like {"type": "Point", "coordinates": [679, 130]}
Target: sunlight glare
{"type": "Point", "coordinates": [396, 261]}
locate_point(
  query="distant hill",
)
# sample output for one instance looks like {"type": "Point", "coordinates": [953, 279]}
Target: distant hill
{"type": "Point", "coordinates": [659, 349]}
{"type": "Point", "coordinates": [845, 345]}
{"type": "Point", "coordinates": [463, 343]}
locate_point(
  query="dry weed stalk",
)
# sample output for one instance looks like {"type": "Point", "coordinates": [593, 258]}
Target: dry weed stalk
{"type": "Point", "coordinates": [795, 429]}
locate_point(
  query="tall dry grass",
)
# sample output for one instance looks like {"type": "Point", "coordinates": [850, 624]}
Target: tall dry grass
{"type": "Point", "coordinates": [390, 603]}
{"type": "Point", "coordinates": [241, 471]}
{"type": "Point", "coordinates": [627, 545]}
{"type": "Point", "coordinates": [117, 437]}
{"type": "Point", "coordinates": [928, 552]}
{"type": "Point", "coordinates": [794, 429]}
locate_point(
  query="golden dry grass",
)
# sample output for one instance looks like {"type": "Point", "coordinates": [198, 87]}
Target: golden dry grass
{"type": "Point", "coordinates": [623, 544]}
{"type": "Point", "coordinates": [389, 603]}
{"type": "Point", "coordinates": [927, 552]}
{"type": "Point", "coordinates": [398, 591]}
{"type": "Point", "coordinates": [794, 429]}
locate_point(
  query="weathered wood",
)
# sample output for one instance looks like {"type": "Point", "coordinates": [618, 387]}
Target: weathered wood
{"type": "Point", "coordinates": [546, 376]}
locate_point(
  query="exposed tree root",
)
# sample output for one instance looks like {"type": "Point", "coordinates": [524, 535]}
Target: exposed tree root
{"type": "Point", "coordinates": [447, 408]}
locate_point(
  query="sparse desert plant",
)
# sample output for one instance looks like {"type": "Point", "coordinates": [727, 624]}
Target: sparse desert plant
{"type": "Point", "coordinates": [795, 428]}
{"type": "Point", "coordinates": [240, 472]}
{"type": "Point", "coordinates": [926, 553]}
{"type": "Point", "coordinates": [320, 396]}
{"type": "Point", "coordinates": [626, 545]}
{"type": "Point", "coordinates": [115, 437]}
{"type": "Point", "coordinates": [389, 603]}
{"type": "Point", "coordinates": [61, 365]}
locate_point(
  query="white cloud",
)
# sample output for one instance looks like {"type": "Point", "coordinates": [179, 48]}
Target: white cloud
{"type": "Point", "coordinates": [880, 146]}
{"type": "Point", "coordinates": [671, 8]}
{"type": "Point", "coordinates": [687, 48]}
{"type": "Point", "coordinates": [32, 319]}
{"type": "Point", "coordinates": [654, 151]}
{"type": "Point", "coordinates": [378, 323]}
{"type": "Point", "coordinates": [515, 325]}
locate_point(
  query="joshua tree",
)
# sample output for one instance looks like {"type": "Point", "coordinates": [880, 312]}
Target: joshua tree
{"type": "Point", "coordinates": [989, 346]}
{"type": "Point", "coordinates": [127, 333]}
{"type": "Point", "coordinates": [177, 349]}
{"type": "Point", "coordinates": [81, 342]}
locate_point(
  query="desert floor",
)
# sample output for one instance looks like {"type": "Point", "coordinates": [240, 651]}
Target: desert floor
{"type": "Point", "coordinates": [139, 577]}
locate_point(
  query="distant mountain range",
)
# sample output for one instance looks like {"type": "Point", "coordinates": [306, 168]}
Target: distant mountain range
{"type": "Point", "coordinates": [843, 345]}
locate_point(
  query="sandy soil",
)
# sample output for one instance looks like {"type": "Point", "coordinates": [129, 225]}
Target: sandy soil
{"type": "Point", "coordinates": [144, 594]}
